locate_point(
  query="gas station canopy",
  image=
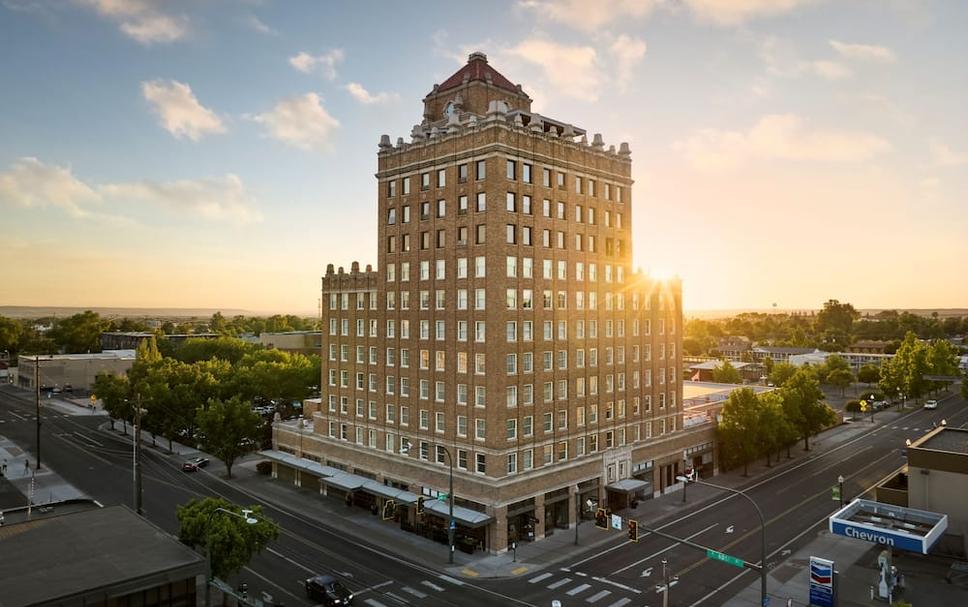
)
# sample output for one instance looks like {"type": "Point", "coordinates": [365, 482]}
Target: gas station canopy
{"type": "Point", "coordinates": [891, 526]}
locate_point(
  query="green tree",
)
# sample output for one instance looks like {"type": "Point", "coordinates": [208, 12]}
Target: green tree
{"type": "Point", "coordinates": [841, 378]}
{"type": "Point", "coordinates": [225, 348]}
{"type": "Point", "coordinates": [832, 364]}
{"type": "Point", "coordinates": [11, 332]}
{"type": "Point", "coordinates": [114, 392]}
{"type": "Point", "coordinates": [775, 430]}
{"type": "Point", "coordinates": [230, 541]}
{"type": "Point", "coordinates": [906, 371]}
{"type": "Point", "coordinates": [740, 426]}
{"type": "Point", "coordinates": [802, 400]}
{"type": "Point", "coordinates": [781, 373]}
{"type": "Point", "coordinates": [80, 332]}
{"type": "Point", "coordinates": [726, 373]}
{"type": "Point", "coordinates": [227, 426]}
{"type": "Point", "coordinates": [943, 359]}
{"type": "Point", "coordinates": [834, 324]}
{"type": "Point", "coordinates": [868, 374]}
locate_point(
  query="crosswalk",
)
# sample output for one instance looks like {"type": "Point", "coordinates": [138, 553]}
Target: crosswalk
{"type": "Point", "coordinates": [405, 595]}
{"type": "Point", "coordinates": [595, 591]}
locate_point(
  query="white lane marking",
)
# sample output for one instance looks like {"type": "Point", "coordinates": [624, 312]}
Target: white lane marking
{"type": "Point", "coordinates": [559, 583]}
{"type": "Point", "coordinates": [88, 439]}
{"type": "Point", "coordinates": [98, 504]}
{"type": "Point", "coordinates": [373, 603]}
{"type": "Point", "coordinates": [538, 578]}
{"type": "Point", "coordinates": [414, 592]}
{"type": "Point", "coordinates": [605, 580]}
{"type": "Point", "coordinates": [289, 560]}
{"type": "Point", "coordinates": [810, 459]}
{"type": "Point", "coordinates": [598, 596]}
{"type": "Point", "coordinates": [453, 581]}
{"type": "Point", "coordinates": [581, 574]}
{"type": "Point", "coordinates": [376, 587]}
{"type": "Point", "coordinates": [652, 556]}
{"type": "Point", "coordinates": [646, 572]}
{"type": "Point", "coordinates": [578, 589]}
{"type": "Point", "coordinates": [430, 584]}
{"type": "Point", "coordinates": [620, 602]}
{"type": "Point", "coordinates": [397, 598]}
{"type": "Point", "coordinates": [17, 416]}
{"type": "Point", "coordinates": [661, 587]}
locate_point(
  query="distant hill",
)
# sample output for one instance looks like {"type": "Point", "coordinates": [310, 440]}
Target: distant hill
{"type": "Point", "coordinates": [716, 314]}
{"type": "Point", "coordinates": [63, 311]}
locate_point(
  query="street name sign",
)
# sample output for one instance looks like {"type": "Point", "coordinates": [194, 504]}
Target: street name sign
{"type": "Point", "coordinates": [720, 556]}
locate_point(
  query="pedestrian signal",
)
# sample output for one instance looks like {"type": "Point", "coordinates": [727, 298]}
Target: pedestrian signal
{"type": "Point", "coordinates": [601, 518]}
{"type": "Point", "coordinates": [420, 505]}
{"type": "Point", "coordinates": [389, 507]}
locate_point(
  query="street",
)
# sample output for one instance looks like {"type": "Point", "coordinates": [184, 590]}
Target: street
{"type": "Point", "coordinates": [795, 499]}
{"type": "Point", "coordinates": [99, 464]}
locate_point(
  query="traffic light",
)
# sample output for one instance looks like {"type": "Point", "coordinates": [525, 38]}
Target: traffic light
{"type": "Point", "coordinates": [633, 530]}
{"type": "Point", "coordinates": [601, 518]}
{"type": "Point", "coordinates": [420, 505]}
{"type": "Point", "coordinates": [389, 507]}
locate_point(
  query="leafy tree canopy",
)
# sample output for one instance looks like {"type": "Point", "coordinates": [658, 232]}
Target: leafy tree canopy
{"type": "Point", "coordinates": [232, 541]}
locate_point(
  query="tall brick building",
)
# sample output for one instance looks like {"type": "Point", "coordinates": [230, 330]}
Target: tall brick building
{"type": "Point", "coordinates": [503, 325]}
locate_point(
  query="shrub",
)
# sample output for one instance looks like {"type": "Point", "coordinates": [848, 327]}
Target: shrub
{"type": "Point", "coordinates": [853, 406]}
{"type": "Point", "coordinates": [264, 468]}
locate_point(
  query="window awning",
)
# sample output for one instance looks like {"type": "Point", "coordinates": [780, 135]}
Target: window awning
{"type": "Point", "coordinates": [466, 516]}
{"type": "Point", "coordinates": [627, 485]}
{"type": "Point", "coordinates": [398, 495]}
{"type": "Point", "coordinates": [345, 481]}
{"type": "Point", "coordinates": [301, 463]}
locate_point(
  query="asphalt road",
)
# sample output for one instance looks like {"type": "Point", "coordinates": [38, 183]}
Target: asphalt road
{"type": "Point", "coordinates": [796, 501]}
{"type": "Point", "coordinates": [99, 464]}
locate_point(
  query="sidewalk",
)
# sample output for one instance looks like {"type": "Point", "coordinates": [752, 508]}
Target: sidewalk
{"type": "Point", "coordinates": [531, 556]}
{"type": "Point", "coordinates": [23, 482]}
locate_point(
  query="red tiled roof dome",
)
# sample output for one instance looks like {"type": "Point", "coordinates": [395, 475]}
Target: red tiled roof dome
{"type": "Point", "coordinates": [477, 68]}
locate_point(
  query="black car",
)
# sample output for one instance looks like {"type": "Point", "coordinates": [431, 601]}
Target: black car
{"type": "Point", "coordinates": [328, 590]}
{"type": "Point", "coordinates": [194, 464]}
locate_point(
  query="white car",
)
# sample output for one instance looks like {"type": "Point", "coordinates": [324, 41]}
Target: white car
{"type": "Point", "coordinates": [931, 404]}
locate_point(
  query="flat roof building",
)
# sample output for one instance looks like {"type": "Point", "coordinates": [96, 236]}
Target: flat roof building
{"type": "Point", "coordinates": [104, 557]}
{"type": "Point", "coordinates": [303, 342]}
{"type": "Point", "coordinates": [77, 371]}
{"type": "Point", "coordinates": [503, 329]}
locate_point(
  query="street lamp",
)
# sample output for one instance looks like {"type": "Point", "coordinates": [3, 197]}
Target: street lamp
{"type": "Point", "coordinates": [245, 516]}
{"type": "Point", "coordinates": [405, 449]}
{"type": "Point", "coordinates": [872, 407]}
{"type": "Point", "coordinates": [763, 596]}
{"type": "Point", "coordinates": [840, 481]}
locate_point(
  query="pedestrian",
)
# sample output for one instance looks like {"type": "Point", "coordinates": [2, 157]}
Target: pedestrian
{"type": "Point", "coordinates": [26, 466]}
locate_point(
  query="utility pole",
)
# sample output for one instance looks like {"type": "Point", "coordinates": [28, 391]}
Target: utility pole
{"type": "Point", "coordinates": [37, 400]}
{"type": "Point", "coordinates": [137, 456]}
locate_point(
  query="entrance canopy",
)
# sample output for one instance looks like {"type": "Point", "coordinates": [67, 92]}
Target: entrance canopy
{"type": "Point", "coordinates": [465, 516]}
{"type": "Point", "coordinates": [889, 525]}
{"type": "Point", "coordinates": [627, 485]}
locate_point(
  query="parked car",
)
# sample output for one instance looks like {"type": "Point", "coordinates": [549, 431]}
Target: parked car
{"type": "Point", "coordinates": [931, 404]}
{"type": "Point", "coordinates": [194, 464]}
{"type": "Point", "coordinates": [881, 404]}
{"type": "Point", "coordinates": [328, 590]}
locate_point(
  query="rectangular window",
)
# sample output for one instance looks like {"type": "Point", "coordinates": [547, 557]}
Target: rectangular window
{"type": "Point", "coordinates": [481, 204]}
{"type": "Point", "coordinates": [480, 168]}
{"type": "Point", "coordinates": [441, 178]}
{"type": "Point", "coordinates": [512, 169]}
{"type": "Point", "coordinates": [526, 173]}
{"type": "Point", "coordinates": [462, 173]}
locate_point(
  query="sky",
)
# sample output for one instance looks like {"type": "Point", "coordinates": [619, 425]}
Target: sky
{"type": "Point", "coordinates": [218, 154]}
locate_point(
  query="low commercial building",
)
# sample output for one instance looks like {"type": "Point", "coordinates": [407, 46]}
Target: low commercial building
{"type": "Point", "coordinates": [935, 479]}
{"type": "Point", "coordinates": [124, 340]}
{"type": "Point", "coordinates": [103, 557]}
{"type": "Point", "coordinates": [705, 371]}
{"type": "Point", "coordinates": [77, 371]}
{"type": "Point", "coordinates": [856, 360]}
{"type": "Point", "coordinates": [778, 354]}
{"type": "Point", "coordinates": [303, 342]}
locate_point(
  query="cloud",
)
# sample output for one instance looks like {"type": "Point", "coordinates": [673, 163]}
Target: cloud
{"type": "Point", "coordinates": [945, 156]}
{"type": "Point", "coordinates": [31, 183]}
{"type": "Point", "coordinates": [179, 111]}
{"type": "Point", "coordinates": [781, 59]}
{"type": "Point", "coordinates": [864, 52]}
{"type": "Point", "coordinates": [300, 121]}
{"type": "Point", "coordinates": [777, 137]}
{"type": "Point", "coordinates": [589, 16]}
{"type": "Point", "coordinates": [306, 63]}
{"type": "Point", "coordinates": [735, 12]}
{"type": "Point", "coordinates": [142, 20]}
{"type": "Point", "coordinates": [256, 24]}
{"type": "Point", "coordinates": [627, 52]}
{"type": "Point", "coordinates": [365, 97]}
{"type": "Point", "coordinates": [218, 198]}
{"type": "Point", "coordinates": [831, 70]}
{"type": "Point", "coordinates": [572, 70]}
